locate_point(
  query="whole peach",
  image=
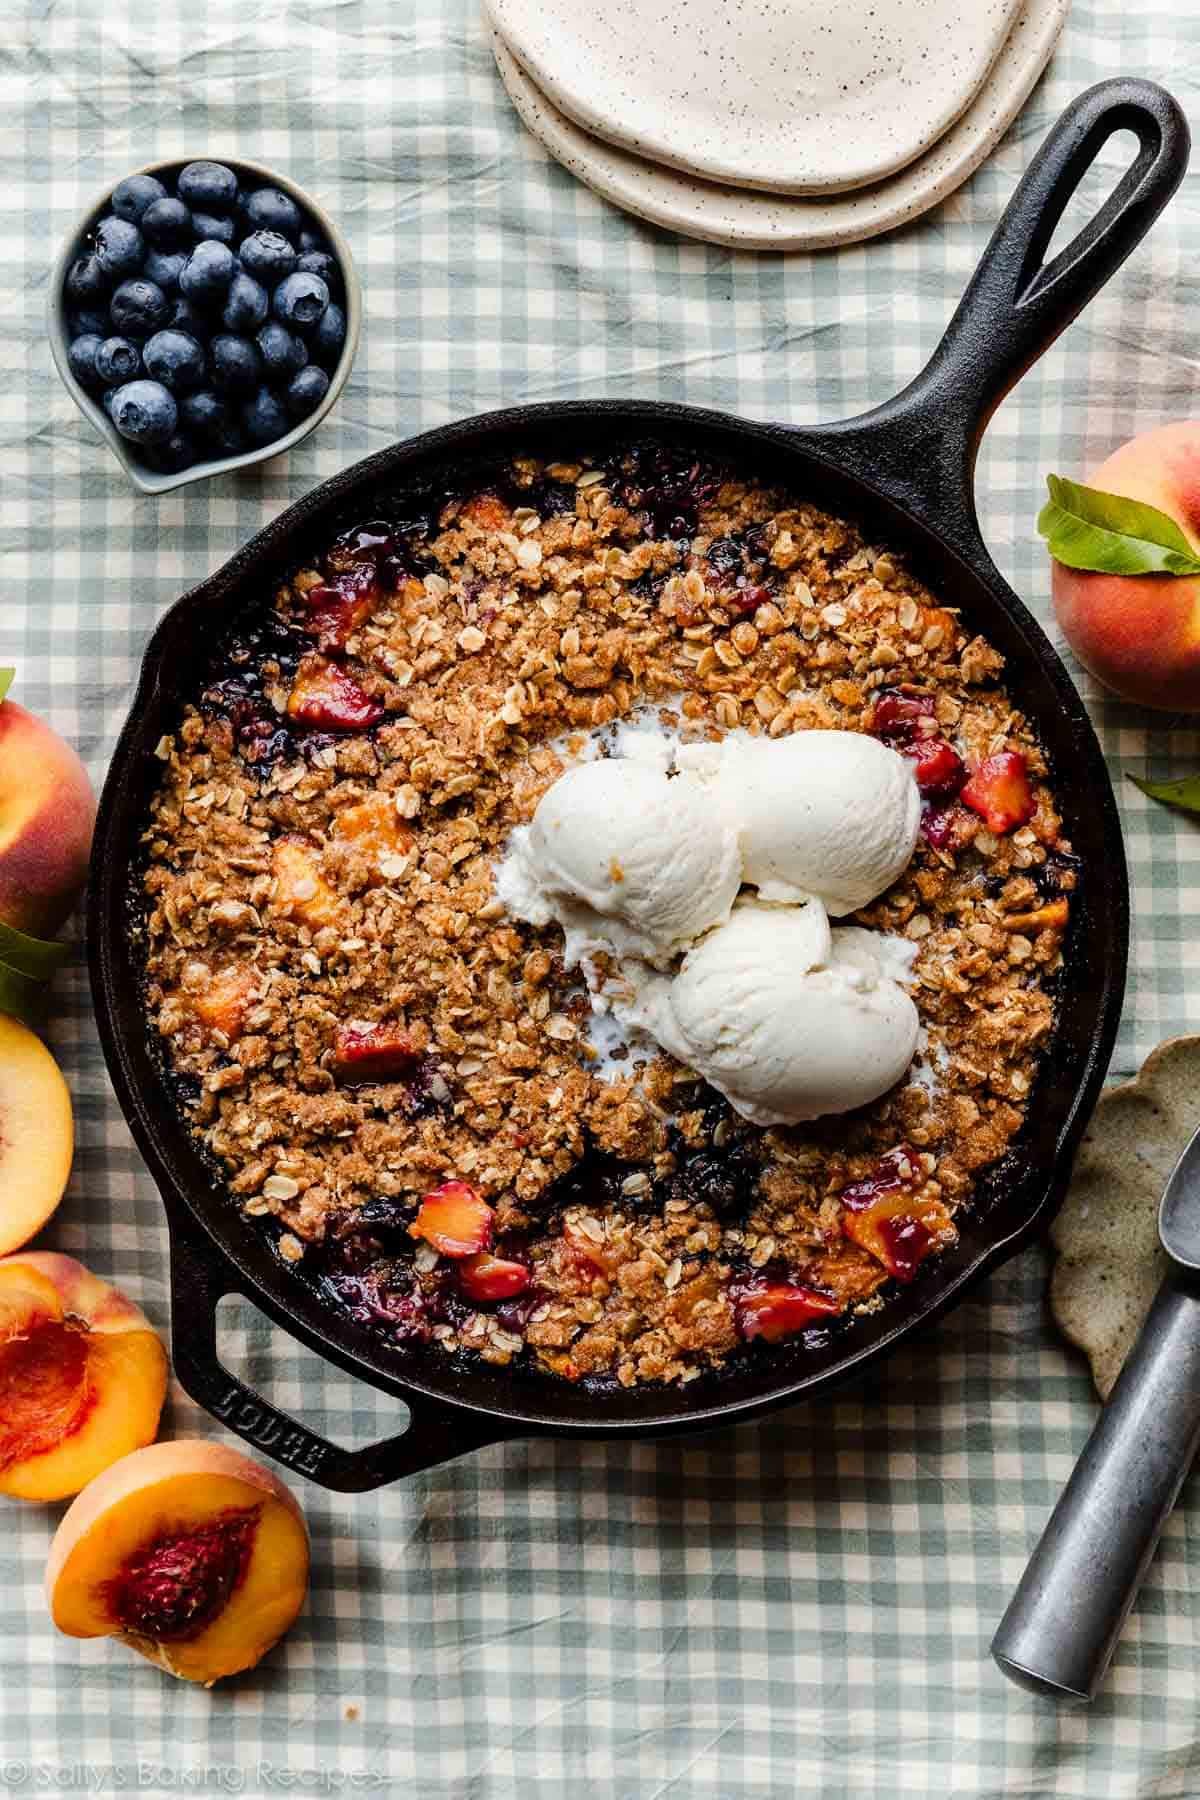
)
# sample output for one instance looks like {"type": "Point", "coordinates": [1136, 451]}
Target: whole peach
{"type": "Point", "coordinates": [47, 811]}
{"type": "Point", "coordinates": [1140, 634]}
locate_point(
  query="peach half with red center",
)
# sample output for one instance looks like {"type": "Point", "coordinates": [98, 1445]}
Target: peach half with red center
{"type": "Point", "coordinates": [1140, 634]}
{"type": "Point", "coordinates": [192, 1554]}
{"type": "Point", "coordinates": [83, 1376]}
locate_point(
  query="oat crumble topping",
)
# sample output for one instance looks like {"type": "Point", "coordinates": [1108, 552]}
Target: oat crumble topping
{"type": "Point", "coordinates": [352, 1021]}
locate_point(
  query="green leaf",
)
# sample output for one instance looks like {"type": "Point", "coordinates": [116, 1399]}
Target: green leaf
{"type": "Point", "coordinates": [1183, 794]}
{"type": "Point", "coordinates": [6, 681]}
{"type": "Point", "coordinates": [1110, 535]}
{"type": "Point", "coordinates": [35, 958]}
{"type": "Point", "coordinates": [23, 998]}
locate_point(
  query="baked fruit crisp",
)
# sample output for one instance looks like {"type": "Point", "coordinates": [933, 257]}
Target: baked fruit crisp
{"type": "Point", "coordinates": [403, 1081]}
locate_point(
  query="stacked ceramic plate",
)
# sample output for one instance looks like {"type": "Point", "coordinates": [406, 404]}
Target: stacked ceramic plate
{"type": "Point", "coordinates": [773, 124]}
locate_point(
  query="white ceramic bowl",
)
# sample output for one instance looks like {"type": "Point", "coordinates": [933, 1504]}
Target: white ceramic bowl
{"type": "Point", "coordinates": [153, 481]}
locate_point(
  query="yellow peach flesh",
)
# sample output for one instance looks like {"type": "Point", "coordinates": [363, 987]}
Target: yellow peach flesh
{"type": "Point", "coordinates": [83, 1376]}
{"type": "Point", "coordinates": [37, 1134]}
{"type": "Point", "coordinates": [171, 1490]}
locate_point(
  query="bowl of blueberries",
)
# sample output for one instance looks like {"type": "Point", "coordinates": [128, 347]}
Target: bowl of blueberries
{"type": "Point", "coordinates": [204, 318]}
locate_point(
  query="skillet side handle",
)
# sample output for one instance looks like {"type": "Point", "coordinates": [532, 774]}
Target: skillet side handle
{"type": "Point", "coordinates": [924, 442]}
{"type": "Point", "coordinates": [200, 1279]}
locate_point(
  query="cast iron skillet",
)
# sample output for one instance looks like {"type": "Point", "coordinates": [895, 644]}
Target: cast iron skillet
{"type": "Point", "coordinates": [907, 470]}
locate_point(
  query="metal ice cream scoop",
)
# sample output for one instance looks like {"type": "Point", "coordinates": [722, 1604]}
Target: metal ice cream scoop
{"type": "Point", "coordinates": [1063, 1622]}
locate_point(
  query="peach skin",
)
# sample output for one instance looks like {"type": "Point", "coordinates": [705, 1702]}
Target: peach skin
{"type": "Point", "coordinates": [47, 811]}
{"type": "Point", "coordinates": [1140, 634]}
{"type": "Point", "coordinates": [83, 1376]}
{"type": "Point", "coordinates": [192, 1554]}
{"type": "Point", "coordinates": [37, 1134]}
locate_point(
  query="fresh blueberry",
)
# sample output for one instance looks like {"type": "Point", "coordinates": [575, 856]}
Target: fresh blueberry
{"type": "Point", "coordinates": [175, 359]}
{"type": "Point", "coordinates": [246, 304]}
{"type": "Point", "coordinates": [299, 301]}
{"type": "Point", "coordinates": [186, 316]}
{"type": "Point", "coordinates": [88, 281]}
{"type": "Point", "coordinates": [138, 308]}
{"type": "Point", "coordinates": [120, 247]}
{"type": "Point", "coordinates": [177, 453]}
{"type": "Point", "coordinates": [82, 358]}
{"type": "Point", "coordinates": [164, 267]}
{"type": "Point", "coordinates": [319, 262]}
{"type": "Point", "coordinates": [144, 412]}
{"type": "Point", "coordinates": [107, 398]}
{"type": "Point", "coordinates": [167, 224]}
{"type": "Point", "coordinates": [132, 196]}
{"type": "Point", "coordinates": [208, 271]}
{"type": "Point", "coordinates": [117, 360]}
{"type": "Point", "coordinates": [306, 391]}
{"type": "Point", "coordinates": [234, 365]}
{"type": "Point", "coordinates": [282, 352]}
{"type": "Point", "coordinates": [209, 185]}
{"type": "Point", "coordinates": [309, 240]}
{"type": "Point", "coordinates": [205, 414]}
{"type": "Point", "coordinates": [88, 323]}
{"type": "Point", "coordinates": [330, 335]}
{"type": "Point", "coordinates": [210, 225]}
{"type": "Point", "coordinates": [267, 255]}
{"type": "Point", "coordinates": [265, 418]}
{"type": "Point", "coordinates": [267, 209]}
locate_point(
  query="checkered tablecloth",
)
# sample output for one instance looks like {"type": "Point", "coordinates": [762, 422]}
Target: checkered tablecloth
{"type": "Point", "coordinates": [801, 1606]}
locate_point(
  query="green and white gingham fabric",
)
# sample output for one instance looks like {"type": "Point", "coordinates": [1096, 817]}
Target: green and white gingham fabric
{"type": "Point", "coordinates": [798, 1607]}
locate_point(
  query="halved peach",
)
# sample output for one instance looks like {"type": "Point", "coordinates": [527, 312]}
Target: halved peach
{"type": "Point", "coordinates": [192, 1554]}
{"type": "Point", "coordinates": [37, 1134]}
{"type": "Point", "coordinates": [300, 889]}
{"type": "Point", "coordinates": [83, 1376]}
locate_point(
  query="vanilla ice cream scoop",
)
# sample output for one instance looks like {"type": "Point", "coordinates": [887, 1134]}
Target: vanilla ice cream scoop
{"type": "Point", "coordinates": [786, 1019]}
{"type": "Point", "coordinates": [628, 859]}
{"type": "Point", "coordinates": [832, 813]}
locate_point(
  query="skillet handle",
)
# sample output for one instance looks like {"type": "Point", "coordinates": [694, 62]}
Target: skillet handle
{"type": "Point", "coordinates": [923, 443]}
{"type": "Point", "coordinates": [200, 1279]}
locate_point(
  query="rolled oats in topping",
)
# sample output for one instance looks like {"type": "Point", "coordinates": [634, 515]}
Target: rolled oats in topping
{"type": "Point", "coordinates": [354, 1024]}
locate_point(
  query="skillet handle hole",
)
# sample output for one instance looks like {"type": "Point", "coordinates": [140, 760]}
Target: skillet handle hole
{"type": "Point", "coordinates": [295, 1380]}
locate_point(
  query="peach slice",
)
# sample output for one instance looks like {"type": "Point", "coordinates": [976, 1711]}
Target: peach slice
{"type": "Point", "coordinates": [374, 826]}
{"type": "Point", "coordinates": [192, 1554]}
{"type": "Point", "coordinates": [454, 1219]}
{"type": "Point", "coordinates": [37, 1134]}
{"type": "Point", "coordinates": [999, 791]}
{"type": "Point", "coordinates": [224, 1003]}
{"type": "Point", "coordinates": [775, 1309]}
{"type": "Point", "coordinates": [327, 698]}
{"type": "Point", "coordinates": [83, 1376]}
{"type": "Point", "coordinates": [365, 1052]}
{"type": "Point", "coordinates": [892, 1220]}
{"type": "Point", "coordinates": [300, 889]}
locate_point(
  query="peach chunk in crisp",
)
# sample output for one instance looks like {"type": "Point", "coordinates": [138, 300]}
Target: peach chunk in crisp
{"type": "Point", "coordinates": [301, 891]}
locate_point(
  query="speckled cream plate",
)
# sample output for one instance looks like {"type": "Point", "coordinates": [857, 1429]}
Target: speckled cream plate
{"type": "Point", "coordinates": [791, 96]}
{"type": "Point", "coordinates": [748, 220]}
{"type": "Point", "coordinates": [1109, 1262]}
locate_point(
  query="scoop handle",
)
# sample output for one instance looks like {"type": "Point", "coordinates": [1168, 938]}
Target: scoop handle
{"type": "Point", "coordinates": [1063, 1622]}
